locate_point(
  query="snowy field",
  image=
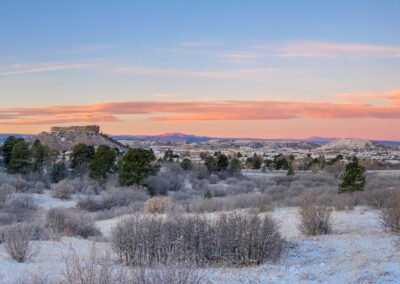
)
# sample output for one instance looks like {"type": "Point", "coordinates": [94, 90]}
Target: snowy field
{"type": "Point", "coordinates": [358, 251]}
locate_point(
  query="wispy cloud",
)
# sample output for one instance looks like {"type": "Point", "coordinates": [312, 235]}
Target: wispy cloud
{"type": "Point", "coordinates": [238, 74]}
{"type": "Point", "coordinates": [114, 68]}
{"type": "Point", "coordinates": [339, 49]}
{"type": "Point", "coordinates": [168, 95]}
{"type": "Point", "coordinates": [198, 44]}
{"type": "Point", "coordinates": [310, 49]}
{"type": "Point", "coordinates": [204, 110]}
{"type": "Point", "coordinates": [90, 48]}
{"type": "Point", "coordinates": [23, 68]}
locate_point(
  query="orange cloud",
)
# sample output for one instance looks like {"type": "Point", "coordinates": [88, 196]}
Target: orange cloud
{"type": "Point", "coordinates": [392, 97]}
{"type": "Point", "coordinates": [206, 110]}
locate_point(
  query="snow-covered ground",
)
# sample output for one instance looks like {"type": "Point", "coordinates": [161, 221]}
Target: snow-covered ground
{"type": "Point", "coordinates": [46, 201]}
{"type": "Point", "coordinates": [358, 251]}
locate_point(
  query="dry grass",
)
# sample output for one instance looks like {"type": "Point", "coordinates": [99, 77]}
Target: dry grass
{"type": "Point", "coordinates": [158, 205]}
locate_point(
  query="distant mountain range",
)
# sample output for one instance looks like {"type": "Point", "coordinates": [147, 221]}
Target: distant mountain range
{"type": "Point", "coordinates": [3, 136]}
{"type": "Point", "coordinates": [188, 138]}
{"type": "Point", "coordinates": [173, 137]}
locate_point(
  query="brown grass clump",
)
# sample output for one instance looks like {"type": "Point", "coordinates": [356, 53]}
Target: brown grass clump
{"type": "Point", "coordinates": [158, 205]}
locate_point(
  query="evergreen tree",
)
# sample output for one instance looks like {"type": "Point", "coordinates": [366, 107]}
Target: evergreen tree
{"type": "Point", "coordinates": [7, 148]}
{"type": "Point", "coordinates": [41, 154]}
{"type": "Point", "coordinates": [136, 165]}
{"type": "Point", "coordinates": [168, 155]}
{"type": "Point", "coordinates": [81, 156]}
{"type": "Point", "coordinates": [222, 162]}
{"type": "Point", "coordinates": [211, 164]}
{"type": "Point", "coordinates": [290, 172]}
{"type": "Point", "coordinates": [20, 158]}
{"type": "Point", "coordinates": [235, 165]}
{"type": "Point", "coordinates": [256, 162]}
{"type": "Point", "coordinates": [59, 172]}
{"type": "Point", "coordinates": [208, 195]}
{"type": "Point", "coordinates": [186, 164]}
{"type": "Point", "coordinates": [353, 178]}
{"type": "Point", "coordinates": [102, 163]}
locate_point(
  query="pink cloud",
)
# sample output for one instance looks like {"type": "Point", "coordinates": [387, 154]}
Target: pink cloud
{"type": "Point", "coordinates": [207, 110]}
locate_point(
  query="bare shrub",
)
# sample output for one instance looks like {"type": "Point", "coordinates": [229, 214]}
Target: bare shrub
{"type": "Point", "coordinates": [258, 201]}
{"type": "Point", "coordinates": [390, 213]}
{"type": "Point", "coordinates": [200, 184]}
{"type": "Point", "coordinates": [21, 185]}
{"type": "Point", "coordinates": [33, 279]}
{"type": "Point", "coordinates": [39, 187]}
{"type": "Point", "coordinates": [5, 191]}
{"type": "Point", "coordinates": [199, 172]}
{"type": "Point", "coordinates": [377, 198]}
{"type": "Point", "coordinates": [169, 178]}
{"type": "Point", "coordinates": [63, 190]}
{"type": "Point", "coordinates": [18, 242]}
{"type": "Point", "coordinates": [71, 223]}
{"type": "Point", "coordinates": [20, 208]}
{"type": "Point", "coordinates": [171, 273]}
{"type": "Point", "coordinates": [114, 198]}
{"type": "Point", "coordinates": [132, 208]}
{"type": "Point", "coordinates": [98, 269]}
{"type": "Point", "coordinates": [158, 205]}
{"type": "Point", "coordinates": [344, 201]}
{"type": "Point", "coordinates": [264, 204]}
{"type": "Point", "coordinates": [233, 239]}
{"type": "Point", "coordinates": [314, 217]}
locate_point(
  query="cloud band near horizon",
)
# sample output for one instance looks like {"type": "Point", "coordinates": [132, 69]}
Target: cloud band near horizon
{"type": "Point", "coordinates": [206, 110]}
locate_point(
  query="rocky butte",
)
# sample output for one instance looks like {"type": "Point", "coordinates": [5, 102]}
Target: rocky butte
{"type": "Point", "coordinates": [64, 138]}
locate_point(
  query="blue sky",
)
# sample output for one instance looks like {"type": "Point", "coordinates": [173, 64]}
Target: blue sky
{"type": "Point", "coordinates": [88, 52]}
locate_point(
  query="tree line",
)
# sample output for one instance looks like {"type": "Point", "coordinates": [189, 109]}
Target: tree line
{"type": "Point", "coordinates": [134, 166]}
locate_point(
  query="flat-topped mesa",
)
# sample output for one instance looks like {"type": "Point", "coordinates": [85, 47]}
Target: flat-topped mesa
{"type": "Point", "coordinates": [86, 128]}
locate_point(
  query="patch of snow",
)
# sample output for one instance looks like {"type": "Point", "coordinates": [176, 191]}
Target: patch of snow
{"type": "Point", "coordinates": [46, 201]}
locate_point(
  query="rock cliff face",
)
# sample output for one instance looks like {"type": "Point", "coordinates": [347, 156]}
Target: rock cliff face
{"type": "Point", "coordinates": [64, 138]}
{"type": "Point", "coordinates": [86, 128]}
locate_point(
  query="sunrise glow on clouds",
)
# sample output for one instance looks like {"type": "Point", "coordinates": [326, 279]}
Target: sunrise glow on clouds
{"type": "Point", "coordinates": [267, 73]}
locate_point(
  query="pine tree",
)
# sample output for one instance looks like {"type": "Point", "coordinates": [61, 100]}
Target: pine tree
{"type": "Point", "coordinates": [208, 195]}
{"type": "Point", "coordinates": [102, 164]}
{"type": "Point", "coordinates": [353, 178]}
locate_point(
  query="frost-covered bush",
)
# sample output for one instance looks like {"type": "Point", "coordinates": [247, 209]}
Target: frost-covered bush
{"type": "Point", "coordinates": [39, 187]}
{"type": "Point", "coordinates": [170, 178]}
{"type": "Point", "coordinates": [63, 190]}
{"type": "Point", "coordinates": [5, 191]}
{"type": "Point", "coordinates": [314, 217]}
{"type": "Point", "coordinates": [113, 198]}
{"type": "Point", "coordinates": [377, 198]}
{"type": "Point", "coordinates": [172, 273]}
{"type": "Point", "coordinates": [18, 242]}
{"type": "Point", "coordinates": [158, 205]}
{"type": "Point", "coordinates": [22, 185]}
{"type": "Point", "coordinates": [390, 213]}
{"type": "Point", "coordinates": [71, 223]}
{"type": "Point", "coordinates": [97, 269]}
{"type": "Point", "coordinates": [19, 208]}
{"type": "Point", "coordinates": [132, 208]}
{"type": "Point", "coordinates": [232, 239]}
{"type": "Point", "coordinates": [200, 184]}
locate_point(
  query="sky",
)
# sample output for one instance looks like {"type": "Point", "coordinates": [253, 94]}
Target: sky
{"type": "Point", "coordinates": [259, 69]}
